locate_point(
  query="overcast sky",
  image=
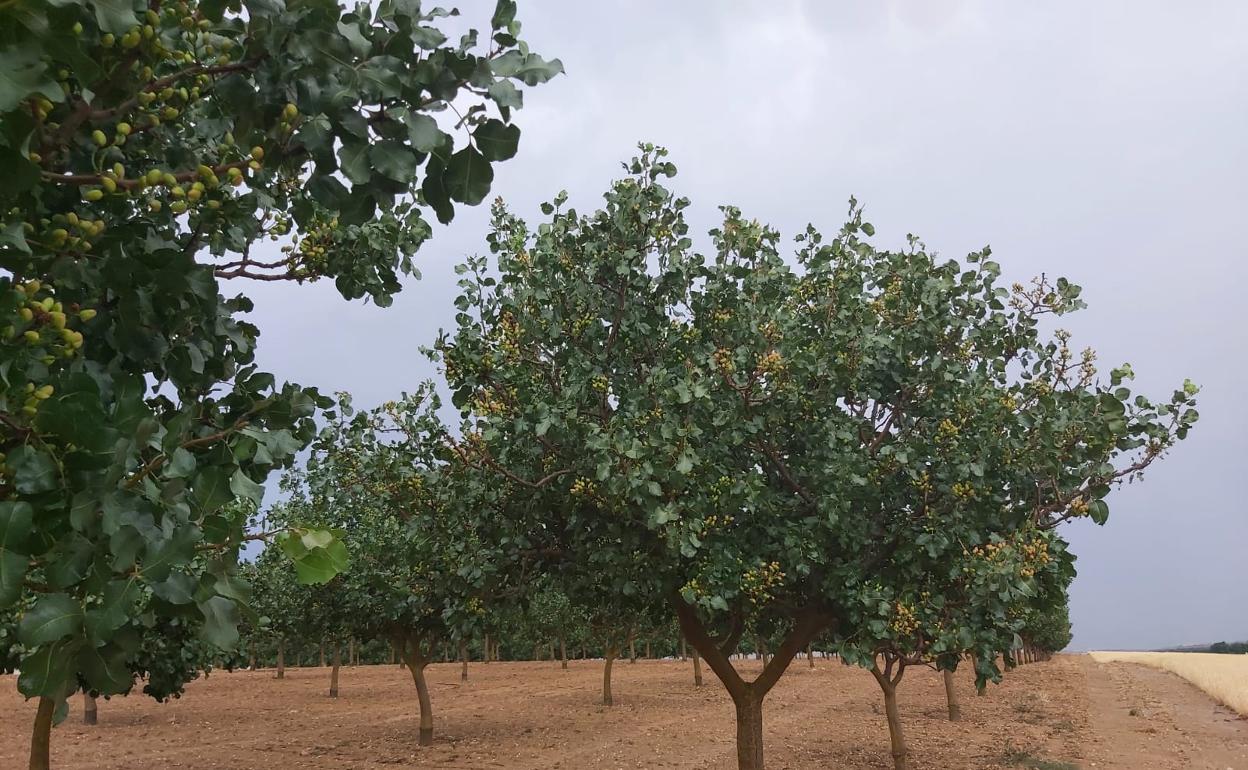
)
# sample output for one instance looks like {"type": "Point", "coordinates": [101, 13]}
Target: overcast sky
{"type": "Point", "coordinates": [1102, 141]}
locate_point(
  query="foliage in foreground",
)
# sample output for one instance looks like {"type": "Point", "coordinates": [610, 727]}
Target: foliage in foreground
{"type": "Point", "coordinates": [148, 150]}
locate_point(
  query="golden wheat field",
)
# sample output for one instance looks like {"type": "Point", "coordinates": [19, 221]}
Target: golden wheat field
{"type": "Point", "coordinates": [1225, 677]}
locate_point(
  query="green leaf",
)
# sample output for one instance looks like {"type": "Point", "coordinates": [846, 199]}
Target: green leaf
{"type": "Point", "coordinates": [497, 140]}
{"type": "Point", "coordinates": [113, 610]}
{"type": "Point", "coordinates": [105, 669]}
{"type": "Point", "coordinates": [468, 176]}
{"type": "Point", "coordinates": [242, 486]}
{"type": "Point", "coordinates": [178, 588]}
{"type": "Point", "coordinates": [15, 521]}
{"type": "Point", "coordinates": [54, 616]}
{"type": "Point", "coordinates": [23, 74]}
{"type": "Point", "coordinates": [181, 464]}
{"type": "Point", "coordinates": [394, 160]}
{"type": "Point", "coordinates": [34, 471]}
{"type": "Point", "coordinates": [220, 622]}
{"type": "Point", "coordinates": [506, 95]}
{"type": "Point", "coordinates": [13, 568]}
{"type": "Point", "coordinates": [116, 16]}
{"type": "Point", "coordinates": [424, 134]}
{"type": "Point", "coordinates": [322, 564]}
{"type": "Point", "coordinates": [504, 14]}
{"type": "Point", "coordinates": [353, 160]}
{"type": "Point", "coordinates": [49, 671]}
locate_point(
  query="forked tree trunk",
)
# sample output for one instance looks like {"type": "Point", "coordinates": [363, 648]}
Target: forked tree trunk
{"type": "Point", "coordinates": [90, 714]}
{"type": "Point", "coordinates": [416, 662]}
{"type": "Point", "coordinates": [897, 738]}
{"type": "Point", "coordinates": [697, 668]}
{"type": "Point", "coordinates": [563, 654]}
{"type": "Point", "coordinates": [281, 659]}
{"type": "Point", "coordinates": [463, 658]}
{"type": "Point", "coordinates": [41, 737]}
{"type": "Point", "coordinates": [606, 675]}
{"type": "Point", "coordinates": [333, 675]}
{"type": "Point", "coordinates": [747, 696]}
{"type": "Point", "coordinates": [951, 697]}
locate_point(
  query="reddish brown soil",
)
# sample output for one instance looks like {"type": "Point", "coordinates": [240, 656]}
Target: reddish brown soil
{"type": "Point", "coordinates": [533, 715]}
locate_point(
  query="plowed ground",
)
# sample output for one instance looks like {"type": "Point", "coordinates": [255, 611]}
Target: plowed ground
{"type": "Point", "coordinates": [534, 715]}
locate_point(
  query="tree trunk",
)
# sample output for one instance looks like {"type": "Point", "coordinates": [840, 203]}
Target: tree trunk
{"type": "Point", "coordinates": [487, 648]}
{"type": "Point", "coordinates": [351, 652]}
{"type": "Point", "coordinates": [333, 675]}
{"type": "Point", "coordinates": [888, 683]}
{"type": "Point", "coordinates": [951, 696]}
{"type": "Point", "coordinates": [281, 659]}
{"type": "Point", "coordinates": [606, 676]}
{"type": "Point", "coordinates": [463, 657]}
{"type": "Point", "coordinates": [648, 649]}
{"type": "Point", "coordinates": [90, 715]}
{"type": "Point", "coordinates": [41, 737]}
{"type": "Point", "coordinates": [810, 655]}
{"type": "Point", "coordinates": [749, 732]}
{"type": "Point", "coordinates": [632, 650]}
{"type": "Point", "coordinates": [684, 650]}
{"type": "Point", "coordinates": [416, 664]}
{"type": "Point", "coordinates": [251, 652]}
{"type": "Point", "coordinates": [697, 668]}
{"type": "Point", "coordinates": [563, 653]}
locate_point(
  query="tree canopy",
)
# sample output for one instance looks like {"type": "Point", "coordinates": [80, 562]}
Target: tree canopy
{"type": "Point", "coordinates": [781, 442]}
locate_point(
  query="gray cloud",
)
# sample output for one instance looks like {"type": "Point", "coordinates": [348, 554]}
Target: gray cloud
{"type": "Point", "coordinates": [1105, 142]}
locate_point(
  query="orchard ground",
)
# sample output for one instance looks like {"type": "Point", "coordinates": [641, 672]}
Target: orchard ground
{"type": "Point", "coordinates": [1070, 712]}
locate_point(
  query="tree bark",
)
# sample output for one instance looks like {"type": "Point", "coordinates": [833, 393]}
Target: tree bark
{"type": "Point", "coordinates": [281, 658]}
{"type": "Point", "coordinates": [463, 660]}
{"type": "Point", "coordinates": [648, 649]}
{"type": "Point", "coordinates": [41, 737]}
{"type": "Point", "coordinates": [697, 668]}
{"type": "Point", "coordinates": [749, 731]}
{"type": "Point", "coordinates": [632, 649]}
{"type": "Point", "coordinates": [563, 653]}
{"type": "Point", "coordinates": [951, 697]}
{"type": "Point", "coordinates": [810, 655]}
{"type": "Point", "coordinates": [606, 675]}
{"type": "Point", "coordinates": [684, 650]}
{"type": "Point", "coordinates": [416, 662]}
{"type": "Point", "coordinates": [90, 714]}
{"type": "Point", "coordinates": [333, 675]}
{"type": "Point", "coordinates": [748, 697]}
{"type": "Point", "coordinates": [888, 681]}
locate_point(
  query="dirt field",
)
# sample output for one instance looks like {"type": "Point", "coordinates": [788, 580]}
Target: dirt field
{"type": "Point", "coordinates": [533, 715]}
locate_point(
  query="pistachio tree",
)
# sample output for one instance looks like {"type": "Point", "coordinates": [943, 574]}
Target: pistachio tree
{"type": "Point", "coordinates": [430, 546]}
{"type": "Point", "coordinates": [776, 438]}
{"type": "Point", "coordinates": [149, 151]}
{"type": "Point", "coordinates": [966, 601]}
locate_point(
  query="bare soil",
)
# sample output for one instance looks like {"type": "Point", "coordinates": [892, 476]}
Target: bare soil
{"type": "Point", "coordinates": [534, 715]}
